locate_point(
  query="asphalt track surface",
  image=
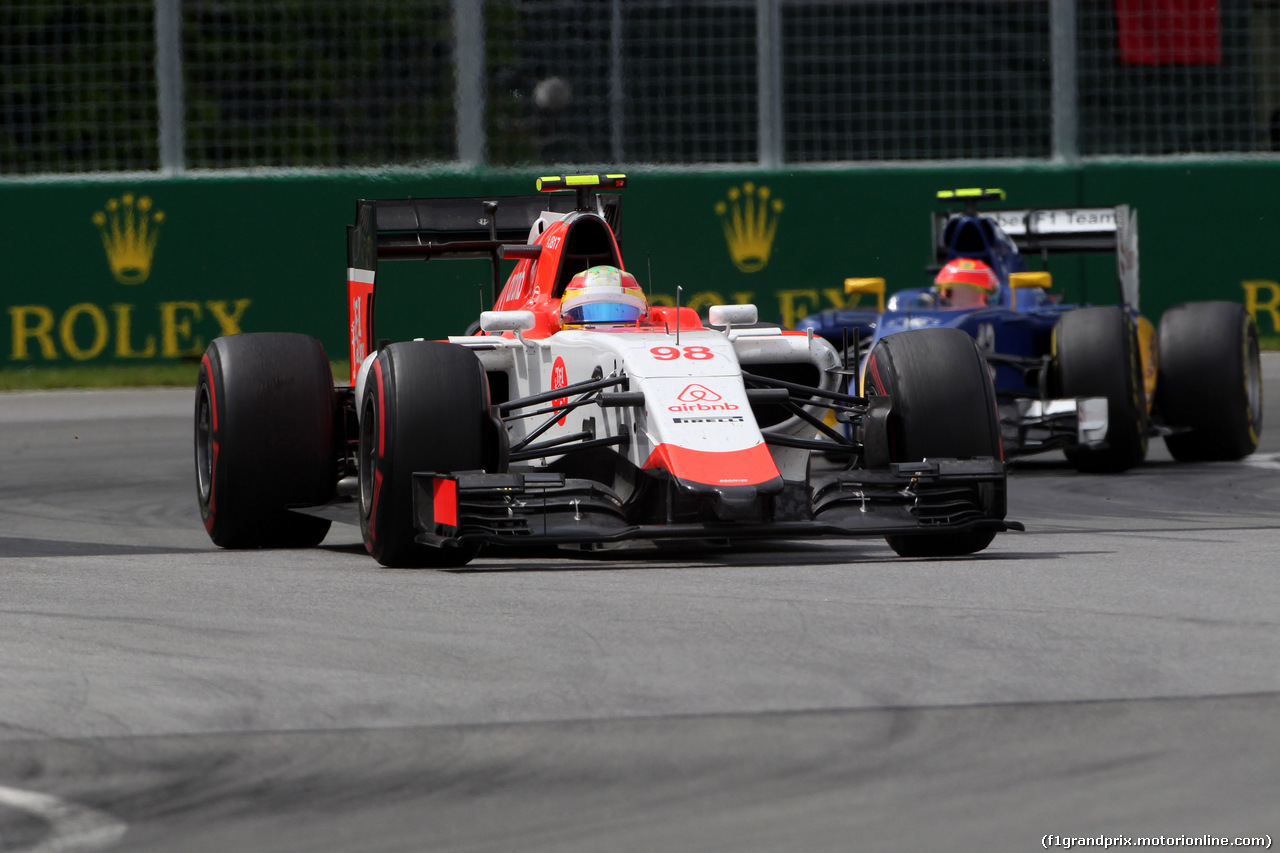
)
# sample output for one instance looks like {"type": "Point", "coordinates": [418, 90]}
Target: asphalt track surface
{"type": "Point", "coordinates": [1113, 671]}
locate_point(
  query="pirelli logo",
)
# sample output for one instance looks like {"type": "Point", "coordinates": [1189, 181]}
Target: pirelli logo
{"type": "Point", "coordinates": [727, 419]}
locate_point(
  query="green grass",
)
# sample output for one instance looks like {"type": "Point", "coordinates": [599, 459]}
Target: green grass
{"type": "Point", "coordinates": [180, 375]}
{"type": "Point", "coordinates": [123, 376]}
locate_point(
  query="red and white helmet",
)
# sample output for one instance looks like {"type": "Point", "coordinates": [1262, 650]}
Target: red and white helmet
{"type": "Point", "coordinates": [602, 295]}
{"type": "Point", "coordinates": [965, 283]}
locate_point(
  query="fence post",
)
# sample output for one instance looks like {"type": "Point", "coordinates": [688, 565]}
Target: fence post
{"type": "Point", "coordinates": [769, 82]}
{"type": "Point", "coordinates": [169, 88]}
{"type": "Point", "coordinates": [616, 85]}
{"type": "Point", "coordinates": [468, 65]}
{"type": "Point", "coordinates": [1062, 47]}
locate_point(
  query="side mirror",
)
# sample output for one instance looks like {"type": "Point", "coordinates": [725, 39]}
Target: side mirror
{"type": "Point", "coordinates": [733, 315]}
{"type": "Point", "coordinates": [874, 286]}
{"type": "Point", "coordinates": [1018, 280]}
{"type": "Point", "coordinates": [507, 321]}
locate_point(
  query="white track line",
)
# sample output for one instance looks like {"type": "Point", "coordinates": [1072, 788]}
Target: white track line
{"type": "Point", "coordinates": [72, 827]}
{"type": "Point", "coordinates": [1263, 460]}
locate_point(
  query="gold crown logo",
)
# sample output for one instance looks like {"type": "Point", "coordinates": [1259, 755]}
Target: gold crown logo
{"type": "Point", "coordinates": [129, 232]}
{"type": "Point", "coordinates": [750, 221]}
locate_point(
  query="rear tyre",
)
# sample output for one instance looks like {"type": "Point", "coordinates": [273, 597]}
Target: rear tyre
{"type": "Point", "coordinates": [1210, 380]}
{"type": "Point", "coordinates": [425, 408]}
{"type": "Point", "coordinates": [1096, 353]}
{"type": "Point", "coordinates": [943, 405]}
{"type": "Point", "coordinates": [264, 440]}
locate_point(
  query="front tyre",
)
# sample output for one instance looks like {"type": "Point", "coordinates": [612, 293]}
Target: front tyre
{"type": "Point", "coordinates": [1210, 380]}
{"type": "Point", "coordinates": [425, 409]}
{"type": "Point", "coordinates": [1096, 353]}
{"type": "Point", "coordinates": [944, 405]}
{"type": "Point", "coordinates": [264, 439]}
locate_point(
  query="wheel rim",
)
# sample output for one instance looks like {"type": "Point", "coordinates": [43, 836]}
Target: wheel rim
{"type": "Point", "coordinates": [368, 450]}
{"type": "Point", "coordinates": [204, 444]}
{"type": "Point", "coordinates": [1253, 379]}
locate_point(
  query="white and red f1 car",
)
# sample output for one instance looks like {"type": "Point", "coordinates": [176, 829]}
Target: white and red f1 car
{"type": "Point", "coordinates": [577, 414]}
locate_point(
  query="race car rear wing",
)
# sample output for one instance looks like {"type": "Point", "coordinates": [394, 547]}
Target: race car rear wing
{"type": "Point", "coordinates": [420, 229]}
{"type": "Point", "coordinates": [1057, 230]}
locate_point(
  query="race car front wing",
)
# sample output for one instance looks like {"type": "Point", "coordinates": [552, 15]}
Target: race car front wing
{"type": "Point", "coordinates": [1029, 425]}
{"type": "Point", "coordinates": [929, 497]}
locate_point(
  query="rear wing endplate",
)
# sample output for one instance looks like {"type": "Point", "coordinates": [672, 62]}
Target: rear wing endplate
{"type": "Point", "coordinates": [1059, 230]}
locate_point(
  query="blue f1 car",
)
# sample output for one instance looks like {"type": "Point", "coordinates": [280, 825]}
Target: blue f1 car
{"type": "Point", "coordinates": [1094, 381]}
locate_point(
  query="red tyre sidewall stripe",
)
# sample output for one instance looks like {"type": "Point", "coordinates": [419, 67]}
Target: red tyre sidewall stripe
{"type": "Point", "coordinates": [382, 407]}
{"type": "Point", "coordinates": [380, 412]}
{"type": "Point", "coordinates": [213, 462]}
{"type": "Point", "coordinates": [872, 374]}
{"type": "Point", "coordinates": [213, 397]}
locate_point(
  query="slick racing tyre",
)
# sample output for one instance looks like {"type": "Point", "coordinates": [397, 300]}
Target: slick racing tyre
{"type": "Point", "coordinates": [425, 408]}
{"type": "Point", "coordinates": [1210, 380]}
{"type": "Point", "coordinates": [265, 415]}
{"type": "Point", "coordinates": [944, 405]}
{"type": "Point", "coordinates": [1096, 354]}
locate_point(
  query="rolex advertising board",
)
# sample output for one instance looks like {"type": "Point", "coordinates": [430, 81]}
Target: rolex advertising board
{"type": "Point", "coordinates": [153, 269]}
{"type": "Point", "coordinates": [129, 323]}
{"type": "Point", "coordinates": [108, 273]}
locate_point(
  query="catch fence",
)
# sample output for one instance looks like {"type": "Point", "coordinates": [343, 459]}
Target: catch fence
{"type": "Point", "coordinates": [172, 86]}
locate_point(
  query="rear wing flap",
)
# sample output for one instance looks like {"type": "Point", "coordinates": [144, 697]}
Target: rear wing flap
{"type": "Point", "coordinates": [425, 228]}
{"type": "Point", "coordinates": [1060, 230]}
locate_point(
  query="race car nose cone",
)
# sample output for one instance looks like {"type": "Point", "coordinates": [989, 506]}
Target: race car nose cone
{"type": "Point", "coordinates": [736, 503]}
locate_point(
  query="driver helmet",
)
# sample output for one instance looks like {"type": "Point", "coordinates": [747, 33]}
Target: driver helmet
{"type": "Point", "coordinates": [602, 295]}
{"type": "Point", "coordinates": [964, 283]}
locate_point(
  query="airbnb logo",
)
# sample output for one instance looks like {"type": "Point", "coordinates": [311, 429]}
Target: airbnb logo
{"type": "Point", "coordinates": [700, 398]}
{"type": "Point", "coordinates": [698, 394]}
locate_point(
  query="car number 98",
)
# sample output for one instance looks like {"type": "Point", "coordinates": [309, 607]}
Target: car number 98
{"type": "Point", "coordinates": [696, 353]}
